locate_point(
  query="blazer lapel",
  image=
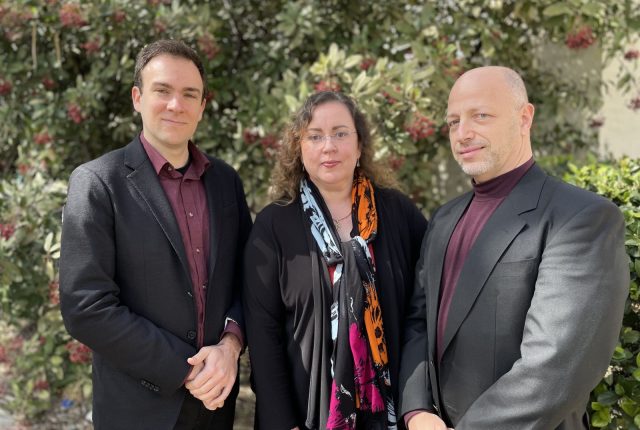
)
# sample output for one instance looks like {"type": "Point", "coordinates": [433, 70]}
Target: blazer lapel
{"type": "Point", "coordinates": [501, 229]}
{"type": "Point", "coordinates": [440, 236]}
{"type": "Point", "coordinates": [145, 180]}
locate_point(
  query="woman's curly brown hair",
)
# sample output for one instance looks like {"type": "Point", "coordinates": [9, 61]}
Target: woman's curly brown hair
{"type": "Point", "coordinates": [288, 172]}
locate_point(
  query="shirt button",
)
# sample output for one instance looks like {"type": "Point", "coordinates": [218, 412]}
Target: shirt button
{"type": "Point", "coordinates": [204, 286]}
{"type": "Point", "coordinates": [191, 335]}
{"type": "Point", "coordinates": [198, 250]}
{"type": "Point", "coordinates": [169, 168]}
{"type": "Point", "coordinates": [191, 214]}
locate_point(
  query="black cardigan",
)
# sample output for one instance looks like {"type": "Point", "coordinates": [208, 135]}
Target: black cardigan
{"type": "Point", "coordinates": [284, 327]}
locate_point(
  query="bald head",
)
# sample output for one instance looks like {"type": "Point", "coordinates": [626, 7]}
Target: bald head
{"type": "Point", "coordinates": [489, 121]}
{"type": "Point", "coordinates": [507, 79]}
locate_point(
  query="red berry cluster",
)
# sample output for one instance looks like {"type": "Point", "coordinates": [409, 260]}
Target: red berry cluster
{"type": "Point", "coordinates": [23, 168]}
{"type": "Point", "coordinates": [41, 384]}
{"type": "Point", "coordinates": [580, 39]}
{"type": "Point", "coordinates": [367, 63]}
{"type": "Point", "coordinates": [327, 86]}
{"type": "Point", "coordinates": [118, 16]}
{"type": "Point", "coordinates": [16, 343]}
{"type": "Point", "coordinates": [91, 47]}
{"type": "Point", "coordinates": [389, 98]}
{"type": "Point", "coordinates": [70, 16]}
{"type": "Point", "coordinates": [632, 54]}
{"type": "Point", "coordinates": [78, 352]}
{"type": "Point", "coordinates": [54, 293]}
{"type": "Point", "coordinates": [159, 26]}
{"type": "Point", "coordinates": [421, 128]}
{"type": "Point", "coordinates": [5, 87]}
{"type": "Point", "coordinates": [396, 162]}
{"type": "Point", "coordinates": [49, 83]}
{"type": "Point", "coordinates": [250, 136]}
{"type": "Point", "coordinates": [207, 44]}
{"type": "Point", "coordinates": [270, 141]}
{"type": "Point", "coordinates": [42, 138]}
{"type": "Point", "coordinates": [7, 230]}
{"type": "Point", "coordinates": [75, 113]}
{"type": "Point", "coordinates": [635, 103]}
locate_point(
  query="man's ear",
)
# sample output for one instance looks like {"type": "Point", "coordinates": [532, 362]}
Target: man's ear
{"type": "Point", "coordinates": [135, 98]}
{"type": "Point", "coordinates": [526, 118]}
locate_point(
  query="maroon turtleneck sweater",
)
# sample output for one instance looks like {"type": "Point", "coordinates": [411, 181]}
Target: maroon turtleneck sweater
{"type": "Point", "coordinates": [487, 196]}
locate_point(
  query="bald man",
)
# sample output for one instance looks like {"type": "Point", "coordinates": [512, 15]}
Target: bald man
{"type": "Point", "coordinates": [521, 283]}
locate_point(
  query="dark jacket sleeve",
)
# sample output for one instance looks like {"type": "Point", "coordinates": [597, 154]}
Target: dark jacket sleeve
{"type": "Point", "coordinates": [235, 312]}
{"type": "Point", "coordinates": [415, 390]}
{"type": "Point", "coordinates": [265, 321]}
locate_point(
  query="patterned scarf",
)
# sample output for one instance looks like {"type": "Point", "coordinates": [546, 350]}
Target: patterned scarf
{"type": "Point", "coordinates": [361, 385]}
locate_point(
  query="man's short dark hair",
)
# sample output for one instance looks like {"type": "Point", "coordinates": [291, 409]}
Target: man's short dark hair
{"type": "Point", "coordinates": [175, 48]}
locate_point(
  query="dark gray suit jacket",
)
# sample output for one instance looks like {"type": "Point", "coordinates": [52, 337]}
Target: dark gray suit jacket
{"type": "Point", "coordinates": [125, 287]}
{"type": "Point", "coordinates": [535, 315]}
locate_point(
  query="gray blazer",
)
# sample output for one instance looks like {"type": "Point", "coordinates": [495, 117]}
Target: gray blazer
{"type": "Point", "coordinates": [125, 287]}
{"type": "Point", "coordinates": [535, 316]}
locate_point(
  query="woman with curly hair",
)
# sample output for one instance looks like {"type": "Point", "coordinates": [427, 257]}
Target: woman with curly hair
{"type": "Point", "coordinates": [329, 271]}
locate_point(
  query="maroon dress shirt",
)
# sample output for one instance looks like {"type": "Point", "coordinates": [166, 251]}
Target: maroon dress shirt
{"type": "Point", "coordinates": [187, 197]}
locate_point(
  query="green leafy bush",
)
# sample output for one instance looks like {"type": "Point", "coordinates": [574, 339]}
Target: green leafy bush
{"type": "Point", "coordinates": [65, 85]}
{"type": "Point", "coordinates": [616, 400]}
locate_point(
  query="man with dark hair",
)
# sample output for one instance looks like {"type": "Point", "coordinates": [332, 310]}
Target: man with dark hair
{"type": "Point", "coordinates": [521, 283]}
{"type": "Point", "coordinates": [150, 267]}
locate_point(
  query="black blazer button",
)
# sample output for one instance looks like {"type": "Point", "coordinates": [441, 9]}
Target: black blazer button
{"type": "Point", "coordinates": [191, 335]}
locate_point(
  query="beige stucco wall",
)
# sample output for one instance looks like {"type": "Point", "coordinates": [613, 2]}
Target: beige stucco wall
{"type": "Point", "coordinates": [620, 133]}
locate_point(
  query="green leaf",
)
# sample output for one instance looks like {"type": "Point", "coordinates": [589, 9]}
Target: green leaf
{"type": "Point", "coordinates": [359, 83]}
{"type": "Point", "coordinates": [630, 336]}
{"type": "Point", "coordinates": [594, 9]}
{"type": "Point", "coordinates": [607, 398]}
{"type": "Point", "coordinates": [556, 9]}
{"type": "Point", "coordinates": [629, 406]}
{"type": "Point", "coordinates": [601, 418]}
{"type": "Point", "coordinates": [352, 61]}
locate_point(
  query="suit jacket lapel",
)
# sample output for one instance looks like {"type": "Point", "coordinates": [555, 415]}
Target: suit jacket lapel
{"type": "Point", "coordinates": [145, 180]}
{"type": "Point", "coordinates": [440, 235]}
{"type": "Point", "coordinates": [501, 229]}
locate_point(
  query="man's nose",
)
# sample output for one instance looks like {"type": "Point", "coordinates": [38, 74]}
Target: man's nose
{"type": "Point", "coordinates": [464, 131]}
{"type": "Point", "coordinates": [175, 104]}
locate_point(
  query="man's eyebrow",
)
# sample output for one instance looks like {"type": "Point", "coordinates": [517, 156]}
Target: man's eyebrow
{"type": "Point", "coordinates": [192, 90]}
{"type": "Point", "coordinates": [165, 85]}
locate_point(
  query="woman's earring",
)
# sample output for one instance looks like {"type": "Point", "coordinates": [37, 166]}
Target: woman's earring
{"type": "Point", "coordinates": [358, 163]}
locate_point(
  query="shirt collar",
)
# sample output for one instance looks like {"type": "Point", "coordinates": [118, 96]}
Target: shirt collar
{"type": "Point", "coordinates": [199, 162]}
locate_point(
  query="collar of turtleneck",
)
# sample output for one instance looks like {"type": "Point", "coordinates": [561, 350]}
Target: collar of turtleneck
{"type": "Point", "coordinates": [500, 186]}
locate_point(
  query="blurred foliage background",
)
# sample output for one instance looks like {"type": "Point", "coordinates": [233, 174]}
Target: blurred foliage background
{"type": "Point", "coordinates": [65, 86]}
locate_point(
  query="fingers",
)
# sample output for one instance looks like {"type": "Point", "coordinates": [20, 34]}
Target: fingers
{"type": "Point", "coordinates": [199, 357]}
{"type": "Point", "coordinates": [194, 372]}
{"type": "Point", "coordinates": [212, 406]}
